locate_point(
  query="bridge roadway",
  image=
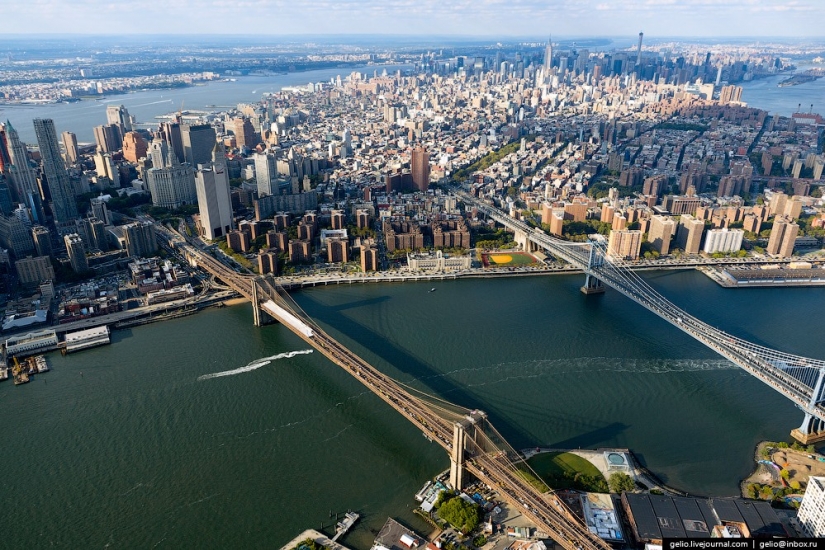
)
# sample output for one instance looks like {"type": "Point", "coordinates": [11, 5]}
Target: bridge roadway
{"type": "Point", "coordinates": [546, 511]}
{"type": "Point", "coordinates": [800, 379]}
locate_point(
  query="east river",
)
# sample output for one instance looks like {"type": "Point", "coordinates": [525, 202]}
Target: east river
{"type": "Point", "coordinates": [134, 444]}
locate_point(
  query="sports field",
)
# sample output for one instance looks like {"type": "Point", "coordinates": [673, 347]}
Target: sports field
{"type": "Point", "coordinates": [507, 259]}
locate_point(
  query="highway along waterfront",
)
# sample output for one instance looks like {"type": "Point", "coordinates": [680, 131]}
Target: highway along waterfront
{"type": "Point", "coordinates": [208, 432]}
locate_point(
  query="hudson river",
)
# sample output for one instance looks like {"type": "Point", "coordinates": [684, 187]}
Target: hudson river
{"type": "Point", "coordinates": [135, 444]}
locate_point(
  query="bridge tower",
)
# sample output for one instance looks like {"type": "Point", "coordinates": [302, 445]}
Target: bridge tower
{"type": "Point", "coordinates": [459, 451]}
{"type": "Point", "coordinates": [812, 429]}
{"type": "Point", "coordinates": [592, 285]}
{"type": "Point", "coordinates": [259, 318]}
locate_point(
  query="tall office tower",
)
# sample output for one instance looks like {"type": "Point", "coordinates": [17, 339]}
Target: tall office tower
{"type": "Point", "coordinates": [420, 168]}
{"type": "Point", "coordinates": [244, 133]}
{"type": "Point", "coordinates": [22, 174]}
{"type": "Point", "coordinates": [214, 200]}
{"type": "Point", "coordinates": [172, 187]}
{"type": "Point", "coordinates": [661, 231]}
{"type": "Point", "coordinates": [783, 237]}
{"type": "Point", "coordinates": [639, 50]}
{"type": "Point", "coordinates": [689, 234]}
{"type": "Point", "coordinates": [266, 174]}
{"type": "Point", "coordinates": [134, 147]}
{"type": "Point", "coordinates": [198, 142]}
{"type": "Point", "coordinates": [15, 235]}
{"type": "Point", "coordinates": [42, 240]}
{"type": "Point", "coordinates": [77, 252]}
{"type": "Point", "coordinates": [117, 115]}
{"type": "Point", "coordinates": [170, 133]}
{"type": "Point", "coordinates": [6, 201]}
{"type": "Point", "coordinates": [107, 138]}
{"type": "Point", "coordinates": [812, 511]}
{"type": "Point", "coordinates": [64, 208]}
{"type": "Point", "coordinates": [625, 243]}
{"type": "Point", "coordinates": [548, 56]}
{"type": "Point", "coordinates": [5, 160]}
{"type": "Point", "coordinates": [70, 144]}
{"type": "Point", "coordinates": [140, 239]}
{"type": "Point", "coordinates": [105, 168]}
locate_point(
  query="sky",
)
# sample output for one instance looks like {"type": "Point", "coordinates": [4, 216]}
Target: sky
{"type": "Point", "coordinates": [493, 18]}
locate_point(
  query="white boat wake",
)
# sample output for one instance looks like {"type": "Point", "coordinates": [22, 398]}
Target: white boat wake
{"type": "Point", "coordinates": [256, 364]}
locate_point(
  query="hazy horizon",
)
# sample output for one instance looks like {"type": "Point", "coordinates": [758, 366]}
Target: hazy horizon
{"type": "Point", "coordinates": [463, 19]}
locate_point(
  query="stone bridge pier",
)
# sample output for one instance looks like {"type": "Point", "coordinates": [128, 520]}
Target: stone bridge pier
{"type": "Point", "coordinates": [463, 432]}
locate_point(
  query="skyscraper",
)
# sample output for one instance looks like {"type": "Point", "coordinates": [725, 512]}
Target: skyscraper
{"type": "Point", "coordinates": [64, 208]}
{"type": "Point", "coordinates": [420, 168]}
{"type": "Point", "coordinates": [783, 237]}
{"type": "Point", "coordinates": [689, 234]}
{"type": "Point", "coordinates": [639, 50]}
{"type": "Point", "coordinates": [117, 115]}
{"type": "Point", "coordinates": [70, 144]}
{"type": "Point", "coordinates": [661, 231]}
{"type": "Point", "coordinates": [214, 201]}
{"type": "Point", "coordinates": [22, 175]}
{"type": "Point", "coordinates": [198, 142]}
{"type": "Point", "coordinates": [812, 512]}
{"type": "Point", "coordinates": [548, 56]}
{"type": "Point", "coordinates": [266, 174]}
{"type": "Point", "coordinates": [244, 133]}
{"type": "Point", "coordinates": [107, 138]}
{"type": "Point", "coordinates": [134, 147]}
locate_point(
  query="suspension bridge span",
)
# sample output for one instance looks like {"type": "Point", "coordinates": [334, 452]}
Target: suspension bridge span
{"type": "Point", "coordinates": [800, 379]}
{"type": "Point", "coordinates": [469, 438]}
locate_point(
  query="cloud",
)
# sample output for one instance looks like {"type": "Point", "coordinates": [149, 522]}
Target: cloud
{"type": "Point", "coordinates": [411, 17]}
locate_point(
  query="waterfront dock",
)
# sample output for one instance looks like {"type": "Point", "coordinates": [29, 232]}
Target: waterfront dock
{"type": "Point", "coordinates": [315, 536]}
{"type": "Point", "coordinates": [343, 526]}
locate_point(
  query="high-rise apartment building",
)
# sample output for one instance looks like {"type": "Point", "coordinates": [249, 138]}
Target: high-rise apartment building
{"type": "Point", "coordinates": [812, 511]}
{"type": "Point", "coordinates": [77, 252]}
{"type": "Point", "coordinates": [660, 233]}
{"type": "Point", "coordinates": [783, 237]}
{"type": "Point", "coordinates": [369, 259]}
{"type": "Point", "coordinates": [723, 240]}
{"type": "Point", "coordinates": [244, 133]}
{"type": "Point", "coordinates": [214, 200]}
{"type": "Point", "coordinates": [420, 168]}
{"type": "Point", "coordinates": [64, 208]}
{"type": "Point", "coordinates": [625, 244]}
{"type": "Point", "coordinates": [140, 239]}
{"type": "Point", "coordinates": [689, 234]}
